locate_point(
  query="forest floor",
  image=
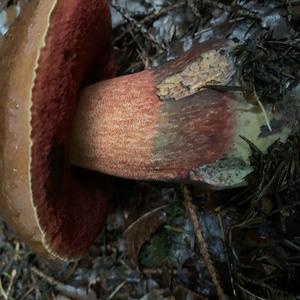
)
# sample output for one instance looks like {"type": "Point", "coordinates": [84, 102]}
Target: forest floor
{"type": "Point", "coordinates": [172, 241]}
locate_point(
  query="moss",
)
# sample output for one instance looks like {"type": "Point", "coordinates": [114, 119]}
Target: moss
{"type": "Point", "coordinates": [157, 251]}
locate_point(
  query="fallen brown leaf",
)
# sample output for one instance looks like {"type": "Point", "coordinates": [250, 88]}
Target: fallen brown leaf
{"type": "Point", "coordinates": [141, 230]}
{"type": "Point", "coordinates": [181, 293]}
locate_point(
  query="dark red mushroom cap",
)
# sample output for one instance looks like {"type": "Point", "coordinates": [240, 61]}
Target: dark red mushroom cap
{"type": "Point", "coordinates": [49, 53]}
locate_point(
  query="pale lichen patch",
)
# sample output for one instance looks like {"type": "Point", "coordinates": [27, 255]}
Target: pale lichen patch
{"type": "Point", "coordinates": [212, 67]}
{"type": "Point", "coordinates": [224, 173]}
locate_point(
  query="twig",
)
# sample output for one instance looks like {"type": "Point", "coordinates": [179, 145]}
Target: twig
{"type": "Point", "coordinates": [138, 26]}
{"type": "Point", "coordinates": [11, 282]}
{"type": "Point", "coordinates": [194, 8]}
{"type": "Point", "coordinates": [2, 291]}
{"type": "Point", "coordinates": [68, 290]}
{"type": "Point", "coordinates": [263, 110]}
{"type": "Point", "coordinates": [249, 293]}
{"type": "Point", "coordinates": [71, 270]}
{"type": "Point", "coordinates": [6, 294]}
{"type": "Point", "coordinates": [190, 208]}
{"type": "Point", "coordinates": [162, 11]}
{"type": "Point", "coordinates": [142, 53]}
{"type": "Point", "coordinates": [117, 289]}
{"type": "Point", "coordinates": [226, 246]}
{"type": "Point", "coordinates": [36, 287]}
{"type": "Point", "coordinates": [29, 291]}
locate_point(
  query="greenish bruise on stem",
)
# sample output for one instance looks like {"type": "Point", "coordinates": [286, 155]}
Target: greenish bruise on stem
{"type": "Point", "coordinates": [217, 66]}
{"type": "Point", "coordinates": [231, 170]}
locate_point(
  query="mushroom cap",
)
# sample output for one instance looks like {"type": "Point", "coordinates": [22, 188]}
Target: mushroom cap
{"type": "Point", "coordinates": [49, 53]}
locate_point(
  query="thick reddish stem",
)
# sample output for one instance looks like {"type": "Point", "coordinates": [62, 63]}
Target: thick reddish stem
{"type": "Point", "coordinates": [157, 124]}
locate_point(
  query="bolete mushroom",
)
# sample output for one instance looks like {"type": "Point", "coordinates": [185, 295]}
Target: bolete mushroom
{"type": "Point", "coordinates": [53, 48]}
{"type": "Point", "coordinates": [160, 124]}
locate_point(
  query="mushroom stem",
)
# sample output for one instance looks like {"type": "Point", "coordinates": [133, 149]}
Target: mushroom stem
{"type": "Point", "coordinates": [164, 124]}
{"type": "Point", "coordinates": [123, 128]}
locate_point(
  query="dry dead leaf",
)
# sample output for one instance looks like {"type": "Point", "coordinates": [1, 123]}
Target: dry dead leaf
{"type": "Point", "coordinates": [76, 293]}
{"type": "Point", "coordinates": [141, 230]}
{"type": "Point", "coordinates": [181, 293]}
{"type": "Point", "coordinates": [158, 295]}
{"type": "Point", "coordinates": [61, 297]}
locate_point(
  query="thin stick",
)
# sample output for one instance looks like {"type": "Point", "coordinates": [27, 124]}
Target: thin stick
{"type": "Point", "coordinates": [11, 282]}
{"type": "Point", "coordinates": [190, 208]}
{"type": "Point", "coordinates": [68, 290]}
{"type": "Point", "coordinates": [6, 294]}
{"type": "Point", "coordinates": [117, 289]}
{"type": "Point", "coordinates": [24, 296]}
{"type": "Point", "coordinates": [263, 110]}
{"type": "Point", "coordinates": [249, 293]}
{"type": "Point", "coordinates": [2, 291]}
{"type": "Point", "coordinates": [162, 11]}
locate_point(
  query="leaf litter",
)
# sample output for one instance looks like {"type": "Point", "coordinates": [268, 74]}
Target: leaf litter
{"type": "Point", "coordinates": [249, 237]}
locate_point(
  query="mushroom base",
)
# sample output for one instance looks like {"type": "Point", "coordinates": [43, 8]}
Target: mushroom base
{"type": "Point", "coordinates": [122, 128]}
{"type": "Point", "coordinates": [167, 124]}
